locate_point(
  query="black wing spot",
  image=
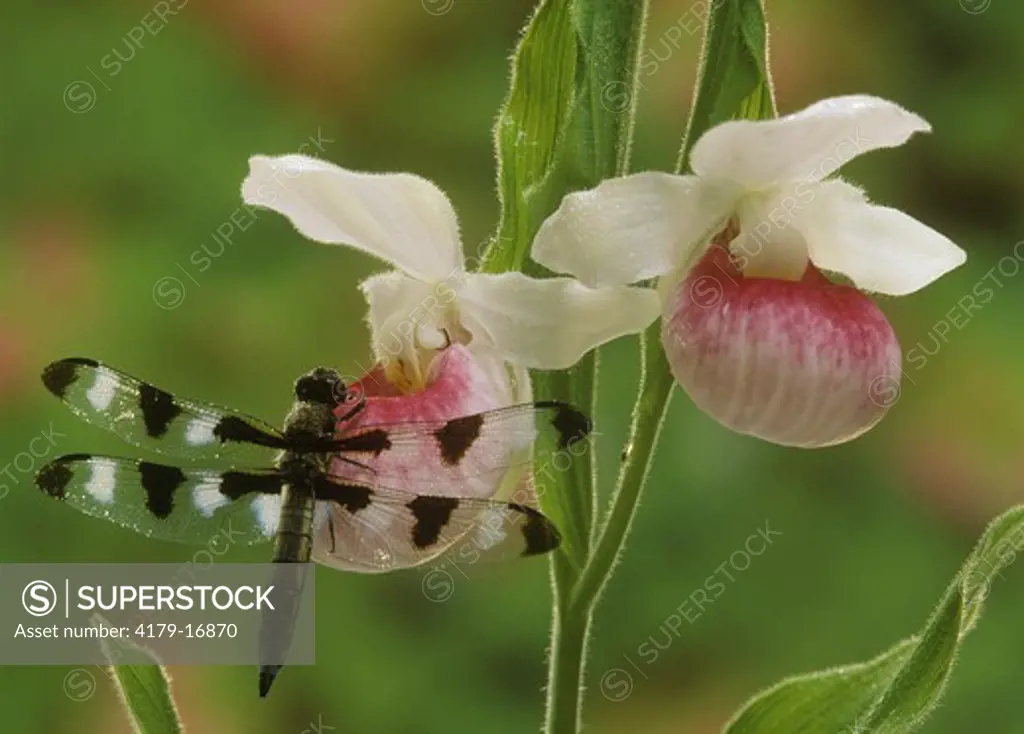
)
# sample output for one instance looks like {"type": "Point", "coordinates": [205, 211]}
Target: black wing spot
{"type": "Point", "coordinates": [235, 484]}
{"type": "Point", "coordinates": [54, 477]}
{"type": "Point", "coordinates": [431, 514]}
{"type": "Point", "coordinates": [160, 482]}
{"type": "Point", "coordinates": [353, 497]}
{"type": "Point", "coordinates": [570, 423]}
{"type": "Point", "coordinates": [371, 442]}
{"type": "Point", "coordinates": [232, 428]}
{"type": "Point", "coordinates": [457, 436]}
{"type": "Point", "coordinates": [158, 409]}
{"type": "Point", "coordinates": [539, 534]}
{"type": "Point", "coordinates": [58, 376]}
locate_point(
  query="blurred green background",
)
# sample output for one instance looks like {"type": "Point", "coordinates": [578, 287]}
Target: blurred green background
{"type": "Point", "coordinates": [111, 190]}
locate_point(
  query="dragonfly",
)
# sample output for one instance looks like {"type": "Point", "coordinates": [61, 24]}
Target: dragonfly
{"type": "Point", "coordinates": [369, 498]}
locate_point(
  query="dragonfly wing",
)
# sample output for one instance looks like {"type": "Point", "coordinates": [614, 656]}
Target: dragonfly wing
{"type": "Point", "coordinates": [166, 502]}
{"type": "Point", "coordinates": [376, 529]}
{"type": "Point", "coordinates": [153, 419]}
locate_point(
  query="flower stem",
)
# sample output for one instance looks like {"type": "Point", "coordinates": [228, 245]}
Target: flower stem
{"type": "Point", "coordinates": [574, 602]}
{"type": "Point", "coordinates": [567, 658]}
{"type": "Point", "coordinates": [648, 415]}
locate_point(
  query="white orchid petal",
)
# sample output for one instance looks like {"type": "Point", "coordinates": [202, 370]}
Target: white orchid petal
{"type": "Point", "coordinates": [806, 364]}
{"type": "Point", "coordinates": [550, 324]}
{"type": "Point", "coordinates": [807, 145]}
{"type": "Point", "coordinates": [882, 250]}
{"type": "Point", "coordinates": [631, 228]}
{"type": "Point", "coordinates": [401, 218]}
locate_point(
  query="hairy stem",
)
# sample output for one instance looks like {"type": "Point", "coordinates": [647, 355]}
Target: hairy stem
{"type": "Point", "coordinates": [566, 662]}
{"type": "Point", "coordinates": [648, 416]}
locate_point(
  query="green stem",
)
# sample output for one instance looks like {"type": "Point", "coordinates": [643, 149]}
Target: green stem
{"type": "Point", "coordinates": [567, 659]}
{"type": "Point", "coordinates": [648, 416]}
{"type": "Point", "coordinates": [570, 631]}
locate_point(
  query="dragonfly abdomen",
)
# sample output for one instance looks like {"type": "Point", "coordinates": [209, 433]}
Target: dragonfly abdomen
{"type": "Point", "coordinates": [294, 540]}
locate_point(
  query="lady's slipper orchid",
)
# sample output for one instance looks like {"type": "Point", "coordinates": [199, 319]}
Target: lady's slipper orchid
{"type": "Point", "coordinates": [757, 336]}
{"type": "Point", "coordinates": [431, 300]}
{"type": "Point", "coordinates": [458, 384]}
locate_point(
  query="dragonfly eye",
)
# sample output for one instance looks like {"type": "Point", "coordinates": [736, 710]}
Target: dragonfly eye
{"type": "Point", "coordinates": [323, 386]}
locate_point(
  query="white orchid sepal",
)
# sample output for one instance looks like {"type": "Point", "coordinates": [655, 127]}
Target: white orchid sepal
{"type": "Point", "coordinates": [769, 177]}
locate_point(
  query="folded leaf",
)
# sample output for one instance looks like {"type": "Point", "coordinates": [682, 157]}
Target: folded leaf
{"type": "Point", "coordinates": [896, 691]}
{"type": "Point", "coordinates": [530, 127]}
{"type": "Point", "coordinates": [734, 81]}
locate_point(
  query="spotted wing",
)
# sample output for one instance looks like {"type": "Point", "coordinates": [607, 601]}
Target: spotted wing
{"type": "Point", "coordinates": [469, 456]}
{"type": "Point", "coordinates": [194, 506]}
{"type": "Point", "coordinates": [378, 529]}
{"type": "Point", "coordinates": [150, 418]}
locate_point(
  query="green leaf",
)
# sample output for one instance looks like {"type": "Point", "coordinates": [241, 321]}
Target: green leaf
{"type": "Point", "coordinates": [145, 691]}
{"type": "Point", "coordinates": [896, 691]}
{"type": "Point", "coordinates": [567, 122]}
{"type": "Point", "coordinates": [531, 124]}
{"type": "Point", "coordinates": [733, 72]}
{"type": "Point", "coordinates": [566, 496]}
{"type": "Point", "coordinates": [611, 34]}
{"type": "Point", "coordinates": [143, 686]}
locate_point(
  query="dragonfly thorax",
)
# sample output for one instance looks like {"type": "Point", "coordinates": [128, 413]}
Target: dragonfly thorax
{"type": "Point", "coordinates": [317, 394]}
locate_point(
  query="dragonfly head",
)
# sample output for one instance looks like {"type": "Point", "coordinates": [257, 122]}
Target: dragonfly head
{"type": "Point", "coordinates": [322, 386]}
